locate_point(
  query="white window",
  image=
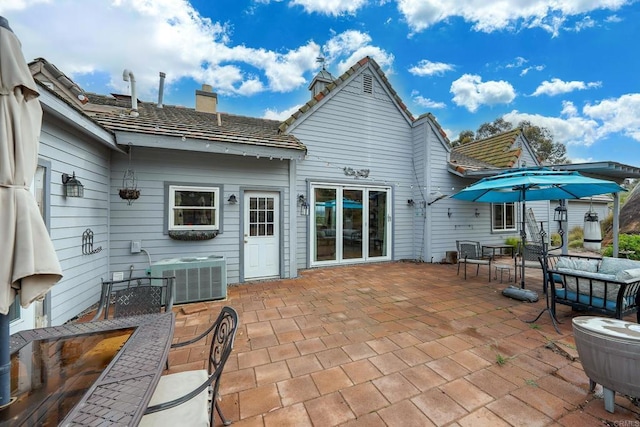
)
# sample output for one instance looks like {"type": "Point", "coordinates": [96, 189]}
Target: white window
{"type": "Point", "coordinates": [503, 217]}
{"type": "Point", "coordinates": [194, 208]}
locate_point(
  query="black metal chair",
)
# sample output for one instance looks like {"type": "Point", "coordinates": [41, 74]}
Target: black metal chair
{"type": "Point", "coordinates": [531, 253]}
{"type": "Point", "coordinates": [470, 252]}
{"type": "Point", "coordinates": [135, 296]}
{"type": "Point", "coordinates": [184, 398]}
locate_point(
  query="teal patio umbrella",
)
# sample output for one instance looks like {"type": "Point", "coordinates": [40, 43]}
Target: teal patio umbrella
{"type": "Point", "coordinates": [529, 184]}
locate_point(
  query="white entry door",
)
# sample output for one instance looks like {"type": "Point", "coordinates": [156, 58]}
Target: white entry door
{"type": "Point", "coordinates": [261, 235]}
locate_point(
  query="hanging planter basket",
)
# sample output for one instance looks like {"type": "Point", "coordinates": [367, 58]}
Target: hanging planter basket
{"type": "Point", "coordinates": [129, 190]}
{"type": "Point", "coordinates": [129, 194]}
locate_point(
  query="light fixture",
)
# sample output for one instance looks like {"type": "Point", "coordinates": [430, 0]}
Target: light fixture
{"type": "Point", "coordinates": [560, 213]}
{"type": "Point", "coordinates": [477, 213]}
{"type": "Point", "coordinates": [449, 213]}
{"type": "Point", "coordinates": [410, 202]}
{"type": "Point", "coordinates": [232, 199]}
{"type": "Point", "coordinates": [72, 186]}
{"type": "Point", "coordinates": [302, 203]}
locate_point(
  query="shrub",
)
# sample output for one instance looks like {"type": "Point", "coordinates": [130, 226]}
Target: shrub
{"type": "Point", "coordinates": [555, 239]}
{"type": "Point", "coordinates": [512, 241]}
{"type": "Point", "coordinates": [575, 237]}
{"type": "Point", "coordinates": [627, 242]}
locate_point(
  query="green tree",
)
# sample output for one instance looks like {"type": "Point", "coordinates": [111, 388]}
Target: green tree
{"type": "Point", "coordinates": [464, 137]}
{"type": "Point", "coordinates": [499, 125]}
{"type": "Point", "coordinates": [541, 140]}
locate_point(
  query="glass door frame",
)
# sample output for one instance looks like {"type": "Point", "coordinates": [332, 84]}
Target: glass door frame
{"type": "Point", "coordinates": [339, 222]}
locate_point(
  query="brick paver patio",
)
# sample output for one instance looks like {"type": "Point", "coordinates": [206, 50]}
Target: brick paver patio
{"type": "Point", "coordinates": [397, 344]}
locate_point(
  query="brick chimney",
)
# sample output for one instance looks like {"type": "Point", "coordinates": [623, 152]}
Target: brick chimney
{"type": "Point", "coordinates": [206, 100]}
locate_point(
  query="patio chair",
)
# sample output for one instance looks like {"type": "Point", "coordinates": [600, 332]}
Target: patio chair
{"type": "Point", "coordinates": [185, 398]}
{"type": "Point", "coordinates": [470, 252]}
{"type": "Point", "coordinates": [531, 254]}
{"type": "Point", "coordinates": [135, 296]}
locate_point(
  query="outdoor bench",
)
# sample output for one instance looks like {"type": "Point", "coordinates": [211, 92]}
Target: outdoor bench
{"type": "Point", "coordinates": [607, 286]}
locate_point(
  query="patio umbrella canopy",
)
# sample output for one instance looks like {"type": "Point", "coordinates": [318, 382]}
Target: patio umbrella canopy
{"type": "Point", "coordinates": [529, 184]}
{"type": "Point", "coordinates": [29, 264]}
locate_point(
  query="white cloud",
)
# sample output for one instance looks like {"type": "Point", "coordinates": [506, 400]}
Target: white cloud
{"type": "Point", "coordinates": [525, 71]}
{"type": "Point", "coordinates": [568, 109]}
{"type": "Point", "coordinates": [617, 115]}
{"type": "Point", "coordinates": [280, 115]}
{"type": "Point", "coordinates": [470, 92]}
{"type": "Point", "coordinates": [597, 121]}
{"type": "Point", "coordinates": [428, 68]}
{"type": "Point", "coordinates": [349, 47]}
{"type": "Point", "coordinates": [330, 7]}
{"type": "Point", "coordinates": [151, 36]}
{"type": "Point", "coordinates": [517, 63]}
{"type": "Point", "coordinates": [557, 87]}
{"type": "Point", "coordinates": [426, 102]}
{"type": "Point", "coordinates": [570, 130]}
{"type": "Point", "coordinates": [487, 16]}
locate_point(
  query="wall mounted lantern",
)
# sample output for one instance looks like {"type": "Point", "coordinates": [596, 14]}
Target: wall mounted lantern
{"type": "Point", "coordinates": [449, 213]}
{"type": "Point", "coordinates": [72, 186]}
{"type": "Point", "coordinates": [303, 204]}
{"type": "Point", "coordinates": [232, 199]}
{"type": "Point", "coordinates": [477, 213]}
{"type": "Point", "coordinates": [410, 202]}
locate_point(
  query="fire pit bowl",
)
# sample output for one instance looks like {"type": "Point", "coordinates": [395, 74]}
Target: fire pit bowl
{"type": "Point", "coordinates": [609, 350]}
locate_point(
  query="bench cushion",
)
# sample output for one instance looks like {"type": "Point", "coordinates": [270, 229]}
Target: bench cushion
{"type": "Point", "coordinates": [581, 284]}
{"type": "Point", "coordinates": [610, 305]}
{"type": "Point", "coordinates": [631, 274]}
{"type": "Point", "coordinates": [587, 265]}
{"type": "Point", "coordinates": [611, 265]}
{"type": "Point", "coordinates": [194, 412]}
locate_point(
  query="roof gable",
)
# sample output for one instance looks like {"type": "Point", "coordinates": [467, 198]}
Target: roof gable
{"type": "Point", "coordinates": [339, 83]}
{"type": "Point", "coordinates": [502, 150]}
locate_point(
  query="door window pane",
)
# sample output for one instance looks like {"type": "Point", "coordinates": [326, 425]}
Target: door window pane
{"type": "Point", "coordinates": [325, 226]}
{"type": "Point", "coordinates": [352, 224]}
{"type": "Point", "coordinates": [261, 216]}
{"type": "Point", "coordinates": [377, 223]}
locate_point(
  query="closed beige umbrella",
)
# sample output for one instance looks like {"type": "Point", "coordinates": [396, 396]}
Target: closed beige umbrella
{"type": "Point", "coordinates": [28, 263]}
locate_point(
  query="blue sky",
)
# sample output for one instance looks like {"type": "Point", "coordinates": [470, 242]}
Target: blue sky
{"type": "Point", "coordinates": [570, 66]}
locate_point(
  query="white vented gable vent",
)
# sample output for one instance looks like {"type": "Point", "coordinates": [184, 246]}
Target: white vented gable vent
{"type": "Point", "coordinates": [197, 279]}
{"type": "Point", "coordinates": [367, 84]}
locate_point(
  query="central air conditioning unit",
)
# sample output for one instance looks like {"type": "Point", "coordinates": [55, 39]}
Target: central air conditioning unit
{"type": "Point", "coordinates": [197, 279]}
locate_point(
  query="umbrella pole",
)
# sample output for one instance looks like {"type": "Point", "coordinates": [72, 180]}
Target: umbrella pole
{"type": "Point", "coordinates": [523, 240]}
{"type": "Point", "coordinates": [5, 361]}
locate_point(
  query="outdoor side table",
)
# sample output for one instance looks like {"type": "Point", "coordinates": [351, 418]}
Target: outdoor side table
{"type": "Point", "coordinates": [502, 269]}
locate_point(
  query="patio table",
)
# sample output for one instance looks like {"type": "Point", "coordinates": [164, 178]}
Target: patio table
{"type": "Point", "coordinates": [121, 393]}
{"type": "Point", "coordinates": [500, 248]}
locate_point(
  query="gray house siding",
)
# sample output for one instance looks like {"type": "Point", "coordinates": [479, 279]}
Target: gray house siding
{"type": "Point", "coordinates": [359, 131]}
{"type": "Point", "coordinates": [68, 151]}
{"type": "Point", "coordinates": [145, 219]}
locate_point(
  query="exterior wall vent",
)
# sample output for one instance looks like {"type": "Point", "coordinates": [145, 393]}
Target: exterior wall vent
{"type": "Point", "coordinates": [197, 278]}
{"type": "Point", "coordinates": [367, 84]}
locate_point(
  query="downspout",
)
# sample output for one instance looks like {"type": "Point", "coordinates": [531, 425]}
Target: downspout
{"type": "Point", "coordinates": [127, 76]}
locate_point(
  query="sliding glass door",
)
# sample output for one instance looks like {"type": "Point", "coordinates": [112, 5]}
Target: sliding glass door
{"type": "Point", "coordinates": [349, 224]}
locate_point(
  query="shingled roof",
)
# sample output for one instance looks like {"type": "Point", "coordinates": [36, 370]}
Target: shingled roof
{"type": "Point", "coordinates": [497, 151]}
{"type": "Point", "coordinates": [173, 121]}
{"type": "Point", "coordinates": [341, 80]}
